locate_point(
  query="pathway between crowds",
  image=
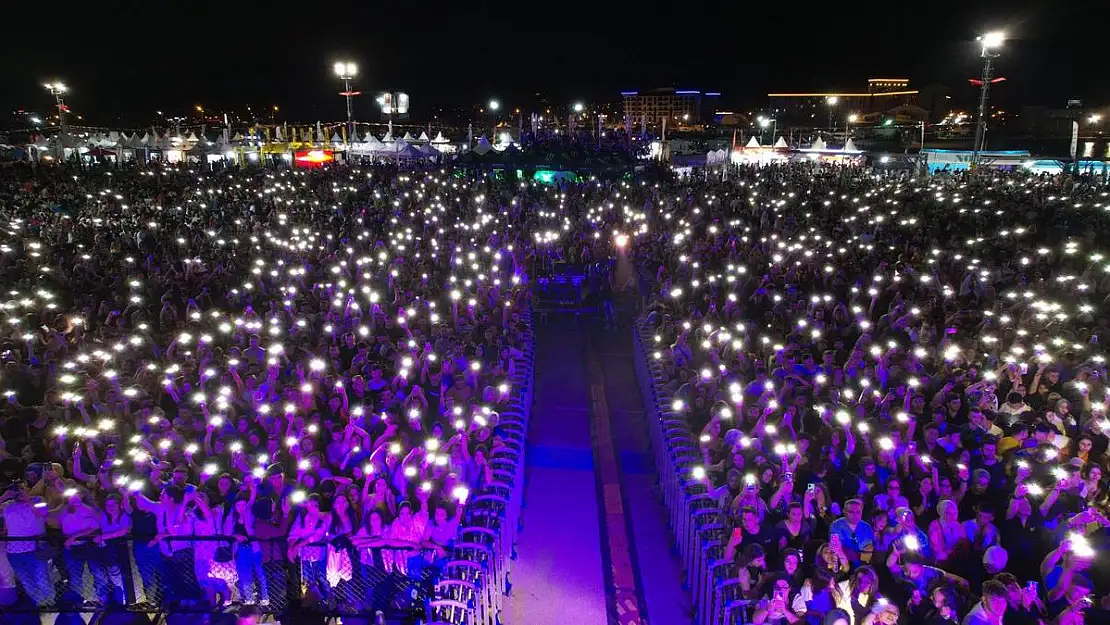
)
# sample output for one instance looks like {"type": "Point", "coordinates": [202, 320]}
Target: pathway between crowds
{"type": "Point", "coordinates": [558, 577]}
{"type": "Point", "coordinates": [659, 571]}
{"type": "Point", "coordinates": [595, 548]}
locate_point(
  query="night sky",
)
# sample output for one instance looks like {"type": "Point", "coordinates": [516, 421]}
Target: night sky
{"type": "Point", "coordinates": [124, 60]}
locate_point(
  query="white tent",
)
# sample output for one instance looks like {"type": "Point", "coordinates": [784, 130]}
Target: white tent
{"type": "Point", "coordinates": [408, 137]}
{"type": "Point", "coordinates": [423, 137]}
{"type": "Point", "coordinates": [440, 138]}
{"type": "Point", "coordinates": [818, 144]}
{"type": "Point", "coordinates": [388, 137]}
{"type": "Point", "coordinates": [336, 139]}
{"type": "Point", "coordinates": [851, 147]}
{"type": "Point", "coordinates": [781, 144]}
{"type": "Point", "coordinates": [482, 145]}
{"type": "Point", "coordinates": [752, 143]}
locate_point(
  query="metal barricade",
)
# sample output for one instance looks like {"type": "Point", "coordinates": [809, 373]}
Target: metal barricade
{"type": "Point", "coordinates": [475, 581]}
{"type": "Point", "coordinates": [698, 524]}
{"type": "Point", "coordinates": [208, 573]}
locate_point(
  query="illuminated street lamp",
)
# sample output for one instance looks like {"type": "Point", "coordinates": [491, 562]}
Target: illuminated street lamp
{"type": "Point", "coordinates": [577, 108]}
{"type": "Point", "coordinates": [346, 71]}
{"type": "Point", "coordinates": [853, 118]}
{"type": "Point", "coordinates": [763, 121]}
{"type": "Point", "coordinates": [492, 108]}
{"type": "Point", "coordinates": [831, 101]}
{"type": "Point", "coordinates": [1094, 119]}
{"type": "Point", "coordinates": [990, 43]}
{"type": "Point", "coordinates": [58, 90]}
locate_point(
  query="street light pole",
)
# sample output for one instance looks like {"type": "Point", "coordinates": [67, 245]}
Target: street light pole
{"type": "Point", "coordinates": [853, 118]}
{"type": "Point", "coordinates": [990, 44]}
{"type": "Point", "coordinates": [493, 106]}
{"type": "Point", "coordinates": [831, 101]}
{"type": "Point", "coordinates": [346, 71]}
{"type": "Point", "coordinates": [58, 90]}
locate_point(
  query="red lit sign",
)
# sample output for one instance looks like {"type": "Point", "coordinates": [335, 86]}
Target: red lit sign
{"type": "Point", "coordinates": [313, 158]}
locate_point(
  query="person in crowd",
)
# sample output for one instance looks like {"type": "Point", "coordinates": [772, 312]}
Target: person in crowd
{"type": "Point", "coordinates": [901, 424]}
{"type": "Point", "coordinates": [25, 517]}
{"type": "Point", "coordinates": [991, 608]}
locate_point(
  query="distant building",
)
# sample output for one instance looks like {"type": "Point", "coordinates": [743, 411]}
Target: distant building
{"type": "Point", "coordinates": [678, 106]}
{"type": "Point", "coordinates": [887, 85]}
{"type": "Point", "coordinates": [834, 107]}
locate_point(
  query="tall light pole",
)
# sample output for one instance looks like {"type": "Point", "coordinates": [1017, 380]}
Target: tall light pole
{"type": "Point", "coordinates": [831, 101]}
{"type": "Point", "coordinates": [346, 71]}
{"type": "Point", "coordinates": [493, 106]}
{"type": "Point", "coordinates": [58, 90]}
{"type": "Point", "coordinates": [576, 108]}
{"type": "Point", "coordinates": [990, 42]}
{"type": "Point", "coordinates": [853, 118]}
{"type": "Point", "coordinates": [763, 121]}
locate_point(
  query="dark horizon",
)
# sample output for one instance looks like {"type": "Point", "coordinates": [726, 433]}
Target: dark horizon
{"type": "Point", "coordinates": [123, 64]}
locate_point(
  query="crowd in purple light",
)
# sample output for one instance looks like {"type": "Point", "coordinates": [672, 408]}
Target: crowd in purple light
{"type": "Point", "coordinates": [896, 384]}
{"type": "Point", "coordinates": [310, 363]}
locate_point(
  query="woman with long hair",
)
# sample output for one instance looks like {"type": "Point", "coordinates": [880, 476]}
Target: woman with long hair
{"type": "Point", "coordinates": [115, 523]}
{"type": "Point", "coordinates": [858, 593]}
{"type": "Point", "coordinates": [776, 606]}
{"type": "Point", "coordinates": [239, 523]}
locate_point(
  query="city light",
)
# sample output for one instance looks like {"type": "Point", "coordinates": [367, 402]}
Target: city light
{"type": "Point", "coordinates": [853, 118]}
{"type": "Point", "coordinates": [832, 100]}
{"type": "Point", "coordinates": [345, 70]}
{"type": "Point", "coordinates": [1094, 119]}
{"type": "Point", "coordinates": [578, 107]}
{"type": "Point", "coordinates": [494, 105]}
{"type": "Point", "coordinates": [992, 40]}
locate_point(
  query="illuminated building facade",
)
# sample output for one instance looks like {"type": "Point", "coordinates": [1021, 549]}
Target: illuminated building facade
{"type": "Point", "coordinates": [678, 106]}
{"type": "Point", "coordinates": [887, 85]}
{"type": "Point", "coordinates": [883, 94]}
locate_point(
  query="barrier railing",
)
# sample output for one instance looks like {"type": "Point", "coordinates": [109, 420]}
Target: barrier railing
{"type": "Point", "coordinates": [476, 577]}
{"type": "Point", "coordinates": [202, 573]}
{"type": "Point", "coordinates": [699, 526]}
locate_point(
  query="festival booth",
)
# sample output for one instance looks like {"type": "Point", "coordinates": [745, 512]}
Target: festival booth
{"type": "Point", "coordinates": [755, 154]}
{"type": "Point", "coordinates": [442, 144]}
{"type": "Point", "coordinates": [819, 151]}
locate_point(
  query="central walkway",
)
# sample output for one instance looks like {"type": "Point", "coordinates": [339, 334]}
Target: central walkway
{"type": "Point", "coordinates": [594, 548]}
{"type": "Point", "coordinates": [558, 578]}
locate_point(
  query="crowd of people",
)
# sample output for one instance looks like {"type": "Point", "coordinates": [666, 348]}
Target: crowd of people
{"type": "Point", "coordinates": [220, 385]}
{"type": "Point", "coordinates": [229, 383]}
{"type": "Point", "coordinates": [896, 386]}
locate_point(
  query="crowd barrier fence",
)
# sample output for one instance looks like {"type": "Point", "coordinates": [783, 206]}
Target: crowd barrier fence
{"type": "Point", "coordinates": [699, 526]}
{"type": "Point", "coordinates": [203, 573]}
{"type": "Point", "coordinates": [476, 578]}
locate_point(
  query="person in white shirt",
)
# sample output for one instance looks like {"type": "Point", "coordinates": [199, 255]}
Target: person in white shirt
{"type": "Point", "coordinates": [25, 516]}
{"type": "Point", "coordinates": [80, 524]}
